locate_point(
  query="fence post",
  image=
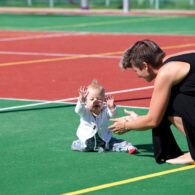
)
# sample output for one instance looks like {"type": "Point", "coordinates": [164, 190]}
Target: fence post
{"type": "Point", "coordinates": [157, 4]}
{"type": "Point", "coordinates": [126, 6]}
{"type": "Point", "coordinates": [51, 3]}
{"type": "Point", "coordinates": [191, 2]}
{"type": "Point", "coordinates": [107, 3]}
{"type": "Point", "coordinates": [29, 2]}
{"type": "Point", "coordinates": [84, 4]}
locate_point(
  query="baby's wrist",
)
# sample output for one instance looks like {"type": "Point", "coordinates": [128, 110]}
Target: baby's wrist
{"type": "Point", "coordinates": [112, 107]}
{"type": "Point", "coordinates": [81, 100]}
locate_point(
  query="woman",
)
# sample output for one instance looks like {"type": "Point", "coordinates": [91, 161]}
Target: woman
{"type": "Point", "coordinates": [173, 99]}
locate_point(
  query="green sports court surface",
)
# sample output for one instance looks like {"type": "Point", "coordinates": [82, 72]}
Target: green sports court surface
{"type": "Point", "coordinates": [44, 59]}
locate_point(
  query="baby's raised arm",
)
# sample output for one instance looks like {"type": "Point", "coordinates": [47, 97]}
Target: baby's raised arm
{"type": "Point", "coordinates": [83, 94]}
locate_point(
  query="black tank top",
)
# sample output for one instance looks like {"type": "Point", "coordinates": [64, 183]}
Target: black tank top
{"type": "Point", "coordinates": [187, 85]}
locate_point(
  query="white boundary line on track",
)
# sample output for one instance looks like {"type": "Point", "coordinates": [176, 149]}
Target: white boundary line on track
{"type": "Point", "coordinates": [56, 54]}
{"type": "Point", "coordinates": [43, 36]}
{"type": "Point", "coordinates": [53, 34]}
{"type": "Point", "coordinates": [74, 103]}
{"type": "Point", "coordinates": [68, 100]}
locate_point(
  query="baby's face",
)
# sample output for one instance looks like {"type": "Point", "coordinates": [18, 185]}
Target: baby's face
{"type": "Point", "coordinates": [95, 101]}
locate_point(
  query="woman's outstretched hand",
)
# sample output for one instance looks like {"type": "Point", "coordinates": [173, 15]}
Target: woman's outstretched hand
{"type": "Point", "coordinates": [120, 125]}
{"type": "Point", "coordinates": [131, 114]}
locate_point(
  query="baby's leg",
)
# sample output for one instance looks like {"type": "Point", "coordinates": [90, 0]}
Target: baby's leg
{"type": "Point", "coordinates": [120, 145]}
{"type": "Point", "coordinates": [78, 145]}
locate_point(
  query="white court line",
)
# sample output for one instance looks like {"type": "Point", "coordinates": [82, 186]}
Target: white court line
{"type": "Point", "coordinates": [138, 107]}
{"type": "Point", "coordinates": [61, 34]}
{"type": "Point", "coordinates": [56, 54]}
{"type": "Point", "coordinates": [42, 36]}
{"type": "Point", "coordinates": [71, 99]}
{"type": "Point", "coordinates": [74, 103]}
{"type": "Point", "coordinates": [74, 33]}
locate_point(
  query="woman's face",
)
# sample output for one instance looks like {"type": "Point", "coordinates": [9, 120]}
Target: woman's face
{"type": "Point", "coordinates": [145, 72]}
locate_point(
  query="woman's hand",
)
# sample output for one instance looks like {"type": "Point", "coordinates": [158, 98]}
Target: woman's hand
{"type": "Point", "coordinates": [119, 125]}
{"type": "Point", "coordinates": [131, 115]}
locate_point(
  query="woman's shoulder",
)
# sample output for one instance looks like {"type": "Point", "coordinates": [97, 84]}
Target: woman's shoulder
{"type": "Point", "coordinates": [179, 56]}
{"type": "Point", "coordinates": [174, 71]}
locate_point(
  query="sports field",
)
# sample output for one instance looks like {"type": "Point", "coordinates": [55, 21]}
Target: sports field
{"type": "Point", "coordinates": [44, 59]}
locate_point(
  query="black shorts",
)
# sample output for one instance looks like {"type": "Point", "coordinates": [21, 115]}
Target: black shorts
{"type": "Point", "coordinates": [94, 143]}
{"type": "Point", "coordinates": [184, 106]}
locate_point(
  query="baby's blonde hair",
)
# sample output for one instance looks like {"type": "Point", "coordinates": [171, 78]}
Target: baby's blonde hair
{"type": "Point", "coordinates": [96, 85]}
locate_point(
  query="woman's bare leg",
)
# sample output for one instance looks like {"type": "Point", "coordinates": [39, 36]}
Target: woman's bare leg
{"type": "Point", "coordinates": [185, 158]}
{"type": "Point", "coordinates": [178, 123]}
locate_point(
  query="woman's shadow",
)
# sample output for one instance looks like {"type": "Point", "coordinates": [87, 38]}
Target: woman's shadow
{"type": "Point", "coordinates": [145, 150]}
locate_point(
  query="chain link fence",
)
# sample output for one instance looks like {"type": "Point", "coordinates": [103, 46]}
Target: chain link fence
{"type": "Point", "coordinates": [103, 4]}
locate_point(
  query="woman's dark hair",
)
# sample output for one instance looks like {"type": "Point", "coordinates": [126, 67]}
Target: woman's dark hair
{"type": "Point", "coordinates": [142, 51]}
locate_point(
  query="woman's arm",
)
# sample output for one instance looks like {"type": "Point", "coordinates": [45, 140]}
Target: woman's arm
{"type": "Point", "coordinates": [168, 75]}
{"type": "Point", "coordinates": [157, 108]}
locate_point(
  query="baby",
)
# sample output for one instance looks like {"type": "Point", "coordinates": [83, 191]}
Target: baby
{"type": "Point", "coordinates": [95, 109]}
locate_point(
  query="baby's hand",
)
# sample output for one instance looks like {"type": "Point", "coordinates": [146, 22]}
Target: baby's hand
{"type": "Point", "coordinates": [83, 94]}
{"type": "Point", "coordinates": [110, 102]}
